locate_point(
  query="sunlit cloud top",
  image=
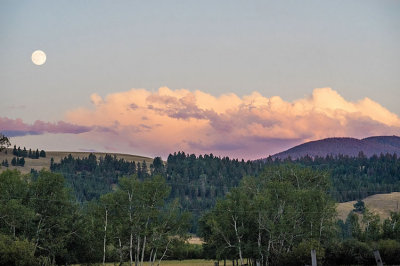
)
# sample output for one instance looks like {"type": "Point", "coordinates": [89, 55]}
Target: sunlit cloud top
{"type": "Point", "coordinates": [140, 121]}
{"type": "Point", "coordinates": [250, 126]}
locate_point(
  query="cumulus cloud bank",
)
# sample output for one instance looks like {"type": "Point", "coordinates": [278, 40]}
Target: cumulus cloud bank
{"type": "Point", "coordinates": [252, 126]}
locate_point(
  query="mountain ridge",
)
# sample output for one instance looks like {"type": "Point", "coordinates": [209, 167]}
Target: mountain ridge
{"type": "Point", "coordinates": [343, 146]}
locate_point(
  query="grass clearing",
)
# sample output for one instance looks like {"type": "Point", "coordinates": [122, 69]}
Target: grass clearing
{"type": "Point", "coordinates": [165, 262]}
{"type": "Point", "coordinates": [39, 164]}
{"type": "Point", "coordinates": [381, 204]}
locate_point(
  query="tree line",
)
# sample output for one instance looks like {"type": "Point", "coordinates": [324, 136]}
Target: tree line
{"type": "Point", "coordinates": [30, 154]}
{"type": "Point", "coordinates": [198, 181]}
{"type": "Point", "coordinates": [278, 217]}
{"type": "Point", "coordinates": [355, 178]}
{"type": "Point", "coordinates": [42, 224]}
{"type": "Point", "coordinates": [274, 218]}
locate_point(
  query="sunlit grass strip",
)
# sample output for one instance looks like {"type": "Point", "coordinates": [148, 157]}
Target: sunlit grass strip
{"type": "Point", "coordinates": [165, 262]}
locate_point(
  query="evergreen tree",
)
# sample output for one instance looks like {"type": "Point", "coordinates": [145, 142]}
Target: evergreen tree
{"type": "Point", "coordinates": [42, 154]}
{"type": "Point", "coordinates": [21, 161]}
{"type": "Point", "coordinates": [24, 153]}
{"type": "Point", "coordinates": [5, 163]}
{"type": "Point", "coordinates": [52, 164]}
{"type": "Point", "coordinates": [359, 206]}
{"type": "Point", "coordinates": [14, 161]}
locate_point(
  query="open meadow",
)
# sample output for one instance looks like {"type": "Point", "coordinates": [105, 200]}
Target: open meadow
{"type": "Point", "coordinates": [169, 263]}
{"type": "Point", "coordinates": [381, 204]}
{"type": "Point", "coordinates": [39, 164]}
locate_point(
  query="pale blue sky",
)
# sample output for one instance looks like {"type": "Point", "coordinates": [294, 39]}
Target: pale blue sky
{"type": "Point", "coordinates": [284, 48]}
{"type": "Point", "coordinates": [279, 48]}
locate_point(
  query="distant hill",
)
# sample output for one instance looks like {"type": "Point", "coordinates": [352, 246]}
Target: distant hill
{"type": "Point", "coordinates": [345, 146]}
{"type": "Point", "coordinates": [40, 163]}
{"type": "Point", "coordinates": [381, 204]}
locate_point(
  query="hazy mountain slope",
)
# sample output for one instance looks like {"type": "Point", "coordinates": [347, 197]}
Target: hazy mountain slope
{"type": "Point", "coordinates": [346, 146]}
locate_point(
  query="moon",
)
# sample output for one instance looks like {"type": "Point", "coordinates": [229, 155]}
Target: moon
{"type": "Point", "coordinates": [38, 57]}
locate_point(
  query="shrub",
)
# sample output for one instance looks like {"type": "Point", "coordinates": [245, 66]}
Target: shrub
{"type": "Point", "coordinates": [389, 250]}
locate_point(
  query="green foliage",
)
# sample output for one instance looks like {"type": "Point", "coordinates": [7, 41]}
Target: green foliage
{"type": "Point", "coordinates": [359, 206]}
{"type": "Point", "coordinates": [18, 161]}
{"type": "Point", "coordinates": [356, 178]}
{"type": "Point", "coordinates": [137, 222]}
{"type": "Point", "coordinates": [196, 181]}
{"type": "Point", "coordinates": [5, 163]}
{"type": "Point", "coordinates": [55, 213]}
{"type": "Point", "coordinates": [4, 142]}
{"type": "Point", "coordinates": [15, 215]}
{"type": "Point", "coordinates": [349, 252]}
{"type": "Point", "coordinates": [17, 252]}
{"type": "Point", "coordinates": [301, 253]}
{"type": "Point", "coordinates": [90, 177]}
{"type": "Point", "coordinates": [389, 250]}
{"type": "Point", "coordinates": [267, 216]}
{"type": "Point", "coordinates": [371, 225]}
{"type": "Point", "coordinates": [182, 251]}
{"type": "Point", "coordinates": [41, 211]}
{"type": "Point", "coordinates": [391, 227]}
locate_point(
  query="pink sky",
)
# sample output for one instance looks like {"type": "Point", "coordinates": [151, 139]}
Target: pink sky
{"type": "Point", "coordinates": [143, 122]}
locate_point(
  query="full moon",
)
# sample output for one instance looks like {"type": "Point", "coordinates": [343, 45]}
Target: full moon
{"type": "Point", "coordinates": [38, 57]}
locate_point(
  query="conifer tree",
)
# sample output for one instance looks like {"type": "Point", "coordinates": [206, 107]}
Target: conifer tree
{"type": "Point", "coordinates": [24, 152]}
{"type": "Point", "coordinates": [21, 161]}
{"type": "Point", "coordinates": [14, 161]}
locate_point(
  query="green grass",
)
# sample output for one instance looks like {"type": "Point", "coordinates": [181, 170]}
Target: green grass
{"type": "Point", "coordinates": [169, 263]}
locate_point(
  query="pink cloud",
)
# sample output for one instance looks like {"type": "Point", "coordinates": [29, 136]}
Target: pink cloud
{"type": "Point", "coordinates": [16, 127]}
{"type": "Point", "coordinates": [251, 126]}
{"type": "Point", "coordinates": [150, 123]}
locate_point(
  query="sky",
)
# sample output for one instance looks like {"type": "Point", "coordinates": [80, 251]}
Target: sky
{"type": "Point", "coordinates": [243, 79]}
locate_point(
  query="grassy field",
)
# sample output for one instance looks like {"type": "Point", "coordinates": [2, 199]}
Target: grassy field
{"type": "Point", "coordinates": [40, 163]}
{"type": "Point", "coordinates": [171, 263]}
{"type": "Point", "coordinates": [381, 204]}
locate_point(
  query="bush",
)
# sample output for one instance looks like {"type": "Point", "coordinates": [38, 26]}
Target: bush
{"type": "Point", "coordinates": [302, 253]}
{"type": "Point", "coordinates": [184, 251]}
{"type": "Point", "coordinates": [16, 252]}
{"type": "Point", "coordinates": [349, 252]}
{"type": "Point", "coordinates": [389, 250]}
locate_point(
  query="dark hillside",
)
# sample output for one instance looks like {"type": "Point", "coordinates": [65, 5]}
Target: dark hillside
{"type": "Point", "coordinates": [344, 146]}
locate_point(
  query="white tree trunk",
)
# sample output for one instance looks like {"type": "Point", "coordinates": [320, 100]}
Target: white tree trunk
{"type": "Point", "coordinates": [105, 238]}
{"type": "Point", "coordinates": [238, 239]}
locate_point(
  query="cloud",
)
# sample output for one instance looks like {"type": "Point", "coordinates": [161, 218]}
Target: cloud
{"type": "Point", "coordinates": [252, 126]}
{"type": "Point", "coordinates": [150, 123]}
{"type": "Point", "coordinates": [16, 127]}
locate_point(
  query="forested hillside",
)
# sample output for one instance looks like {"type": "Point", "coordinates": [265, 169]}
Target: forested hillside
{"type": "Point", "coordinates": [357, 177]}
{"type": "Point", "coordinates": [198, 181]}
